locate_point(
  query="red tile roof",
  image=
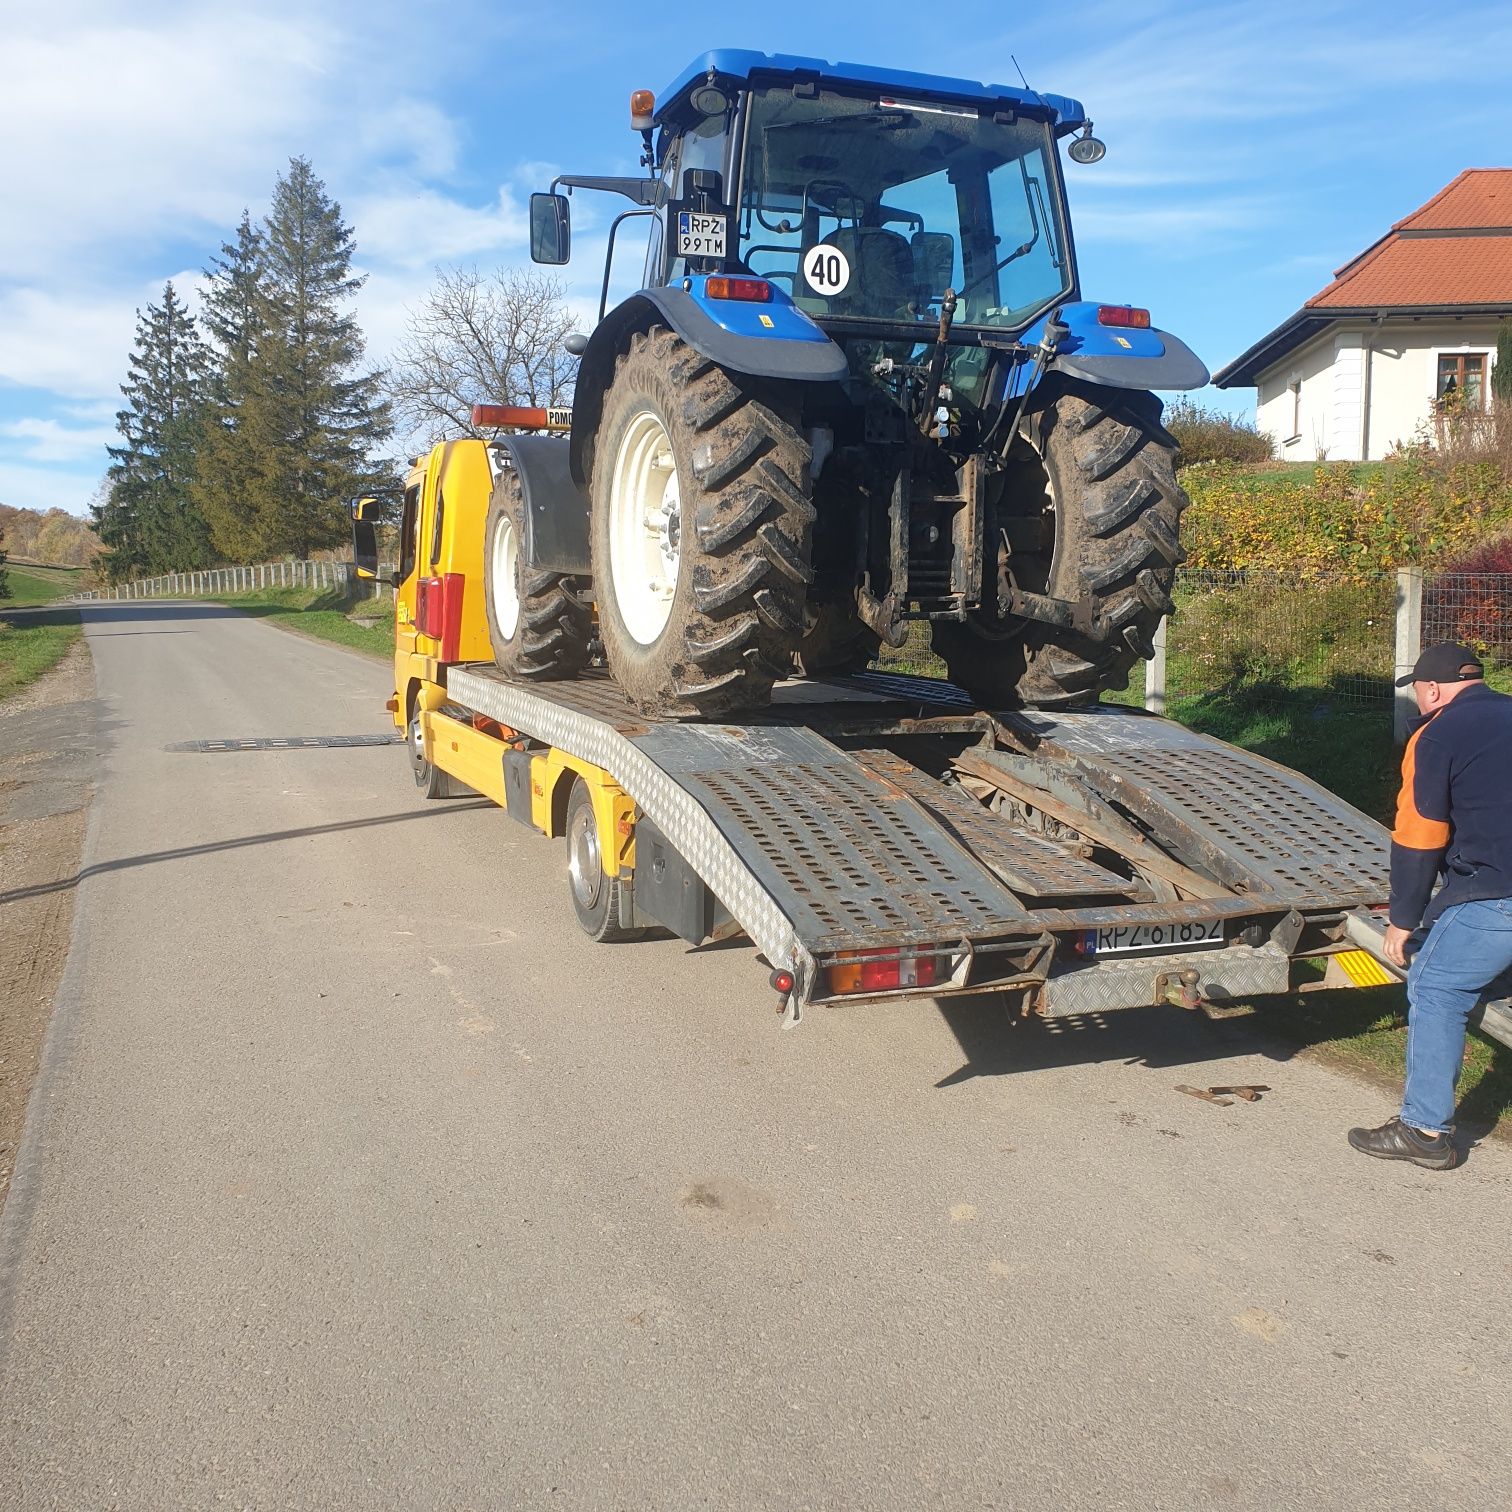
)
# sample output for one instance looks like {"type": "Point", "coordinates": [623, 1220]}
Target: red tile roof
{"type": "Point", "coordinates": [1455, 250]}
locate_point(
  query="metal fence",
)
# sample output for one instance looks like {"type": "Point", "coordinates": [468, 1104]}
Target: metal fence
{"type": "Point", "coordinates": [225, 580]}
{"type": "Point", "coordinates": [1326, 642]}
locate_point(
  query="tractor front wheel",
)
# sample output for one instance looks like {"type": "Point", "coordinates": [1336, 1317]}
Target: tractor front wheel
{"type": "Point", "coordinates": [700, 530]}
{"type": "Point", "coordinates": [1099, 469]}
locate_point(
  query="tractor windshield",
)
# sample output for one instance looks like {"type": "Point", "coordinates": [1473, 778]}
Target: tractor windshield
{"type": "Point", "coordinates": [869, 209]}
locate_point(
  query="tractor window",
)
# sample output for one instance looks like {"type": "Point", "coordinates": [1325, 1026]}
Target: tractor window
{"type": "Point", "coordinates": [407, 531]}
{"type": "Point", "coordinates": [914, 196]}
{"type": "Point", "coordinates": [701, 146]}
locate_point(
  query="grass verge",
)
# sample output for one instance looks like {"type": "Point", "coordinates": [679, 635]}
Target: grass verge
{"type": "Point", "coordinates": [324, 613]}
{"type": "Point", "coordinates": [31, 644]}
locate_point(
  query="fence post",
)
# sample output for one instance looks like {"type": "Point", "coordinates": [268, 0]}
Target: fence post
{"type": "Point", "coordinates": [1409, 644]}
{"type": "Point", "coordinates": [1155, 669]}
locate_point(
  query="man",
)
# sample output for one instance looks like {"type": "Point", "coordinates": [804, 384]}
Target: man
{"type": "Point", "coordinates": [1454, 817]}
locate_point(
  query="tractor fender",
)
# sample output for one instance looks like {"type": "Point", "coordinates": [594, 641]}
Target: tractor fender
{"type": "Point", "coordinates": [1125, 357]}
{"type": "Point", "coordinates": [556, 509]}
{"type": "Point", "coordinates": [805, 361]}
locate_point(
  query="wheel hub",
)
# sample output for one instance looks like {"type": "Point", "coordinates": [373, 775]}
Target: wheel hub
{"type": "Point", "coordinates": [645, 527]}
{"type": "Point", "coordinates": [584, 868]}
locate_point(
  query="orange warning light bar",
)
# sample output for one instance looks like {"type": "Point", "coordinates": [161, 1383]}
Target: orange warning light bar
{"type": "Point", "coordinates": [519, 417]}
{"type": "Point", "coordinates": [642, 110]}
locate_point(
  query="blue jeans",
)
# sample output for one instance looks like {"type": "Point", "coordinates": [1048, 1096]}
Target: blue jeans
{"type": "Point", "coordinates": [1469, 946]}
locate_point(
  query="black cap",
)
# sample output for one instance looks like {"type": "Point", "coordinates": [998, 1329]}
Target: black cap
{"type": "Point", "coordinates": [1448, 662]}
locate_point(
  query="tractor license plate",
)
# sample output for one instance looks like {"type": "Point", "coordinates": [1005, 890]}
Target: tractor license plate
{"type": "Point", "coordinates": [700, 235]}
{"type": "Point", "coordinates": [1133, 939]}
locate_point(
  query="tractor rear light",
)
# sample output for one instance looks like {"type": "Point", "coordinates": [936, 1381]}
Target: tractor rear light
{"type": "Point", "coordinates": [782, 981]}
{"type": "Point", "coordinates": [881, 971]}
{"type": "Point", "coordinates": [642, 110]}
{"type": "Point", "coordinates": [755, 290]}
{"type": "Point", "coordinates": [1123, 315]}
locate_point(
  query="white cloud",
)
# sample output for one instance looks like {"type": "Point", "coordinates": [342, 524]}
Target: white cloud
{"type": "Point", "coordinates": [51, 441]}
{"type": "Point", "coordinates": [26, 486]}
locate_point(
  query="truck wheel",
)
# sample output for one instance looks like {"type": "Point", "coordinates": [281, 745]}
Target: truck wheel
{"type": "Point", "coordinates": [700, 530]}
{"type": "Point", "coordinates": [538, 629]}
{"type": "Point", "coordinates": [1105, 469]}
{"type": "Point", "coordinates": [837, 643]}
{"type": "Point", "coordinates": [430, 779]}
{"type": "Point", "coordinates": [598, 898]}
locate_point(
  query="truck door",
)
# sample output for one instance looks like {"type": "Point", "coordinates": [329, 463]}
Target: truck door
{"type": "Point", "coordinates": [406, 594]}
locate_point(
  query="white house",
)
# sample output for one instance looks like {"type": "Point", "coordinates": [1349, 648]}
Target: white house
{"type": "Point", "coordinates": [1362, 365]}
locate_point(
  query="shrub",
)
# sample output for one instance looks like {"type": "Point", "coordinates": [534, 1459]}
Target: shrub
{"type": "Point", "coordinates": [1470, 600]}
{"type": "Point", "coordinates": [1207, 436]}
{"type": "Point", "coordinates": [1344, 520]}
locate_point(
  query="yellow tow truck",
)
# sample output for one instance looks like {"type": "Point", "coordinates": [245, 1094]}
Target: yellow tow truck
{"type": "Point", "coordinates": [873, 835]}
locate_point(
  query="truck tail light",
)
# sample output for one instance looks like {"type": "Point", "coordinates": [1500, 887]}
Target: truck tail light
{"type": "Point", "coordinates": [438, 613]}
{"type": "Point", "coordinates": [1123, 315]}
{"type": "Point", "coordinates": [881, 971]}
{"type": "Point", "coordinates": [755, 290]}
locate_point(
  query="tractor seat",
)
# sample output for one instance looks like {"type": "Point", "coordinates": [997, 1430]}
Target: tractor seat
{"type": "Point", "coordinates": [882, 272]}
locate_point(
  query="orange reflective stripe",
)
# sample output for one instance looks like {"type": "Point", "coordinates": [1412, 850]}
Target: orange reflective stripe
{"type": "Point", "coordinates": [1412, 829]}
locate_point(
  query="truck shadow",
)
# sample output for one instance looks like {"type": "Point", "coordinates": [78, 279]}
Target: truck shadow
{"type": "Point", "coordinates": [1332, 1025]}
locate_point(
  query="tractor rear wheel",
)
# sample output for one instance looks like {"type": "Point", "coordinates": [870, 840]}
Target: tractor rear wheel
{"type": "Point", "coordinates": [1105, 469]}
{"type": "Point", "coordinates": [539, 630]}
{"type": "Point", "coordinates": [700, 531]}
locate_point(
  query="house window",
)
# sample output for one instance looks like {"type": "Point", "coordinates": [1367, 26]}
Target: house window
{"type": "Point", "coordinates": [1462, 379]}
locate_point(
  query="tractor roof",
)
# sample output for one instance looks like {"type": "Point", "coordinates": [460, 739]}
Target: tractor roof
{"type": "Point", "coordinates": [746, 66]}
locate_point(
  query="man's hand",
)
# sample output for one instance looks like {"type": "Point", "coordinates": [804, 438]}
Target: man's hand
{"type": "Point", "coordinates": [1396, 945]}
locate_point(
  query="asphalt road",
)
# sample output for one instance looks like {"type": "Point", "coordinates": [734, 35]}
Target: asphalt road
{"type": "Point", "coordinates": [356, 1177]}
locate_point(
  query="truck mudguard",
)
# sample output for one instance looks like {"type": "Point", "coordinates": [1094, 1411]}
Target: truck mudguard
{"type": "Point", "coordinates": [807, 360]}
{"type": "Point", "coordinates": [556, 510]}
{"type": "Point", "coordinates": [1115, 356]}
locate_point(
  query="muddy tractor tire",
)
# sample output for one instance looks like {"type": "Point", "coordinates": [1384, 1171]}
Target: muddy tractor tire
{"type": "Point", "coordinates": [1106, 468]}
{"type": "Point", "coordinates": [700, 530]}
{"type": "Point", "coordinates": [836, 643]}
{"type": "Point", "coordinates": [539, 630]}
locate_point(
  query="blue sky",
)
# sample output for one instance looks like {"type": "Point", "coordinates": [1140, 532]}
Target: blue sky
{"type": "Point", "coordinates": [1251, 150]}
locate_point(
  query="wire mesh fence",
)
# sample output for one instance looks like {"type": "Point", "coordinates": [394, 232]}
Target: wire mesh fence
{"type": "Point", "coordinates": [1274, 639]}
{"type": "Point", "coordinates": [1474, 608]}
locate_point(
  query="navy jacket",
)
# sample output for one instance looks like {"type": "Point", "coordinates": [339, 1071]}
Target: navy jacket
{"type": "Point", "coordinates": [1454, 814]}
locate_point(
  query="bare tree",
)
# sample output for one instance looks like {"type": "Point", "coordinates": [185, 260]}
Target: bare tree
{"type": "Point", "coordinates": [482, 340]}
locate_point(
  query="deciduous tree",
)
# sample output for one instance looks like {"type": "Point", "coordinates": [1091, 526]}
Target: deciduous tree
{"type": "Point", "coordinates": [481, 340]}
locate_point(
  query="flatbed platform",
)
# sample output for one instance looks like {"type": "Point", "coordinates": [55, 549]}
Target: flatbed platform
{"type": "Point", "coordinates": [1084, 859]}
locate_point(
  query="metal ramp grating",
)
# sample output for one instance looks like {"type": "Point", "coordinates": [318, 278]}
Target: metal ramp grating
{"type": "Point", "coordinates": [1303, 843]}
{"type": "Point", "coordinates": [858, 860]}
{"type": "Point", "coordinates": [1032, 865]}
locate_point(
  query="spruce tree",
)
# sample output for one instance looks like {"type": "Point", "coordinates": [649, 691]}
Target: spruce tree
{"type": "Point", "coordinates": [310, 420]}
{"type": "Point", "coordinates": [148, 521]}
{"type": "Point", "coordinates": [233, 319]}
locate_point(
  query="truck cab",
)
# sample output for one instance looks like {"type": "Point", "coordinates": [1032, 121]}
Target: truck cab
{"type": "Point", "coordinates": [439, 614]}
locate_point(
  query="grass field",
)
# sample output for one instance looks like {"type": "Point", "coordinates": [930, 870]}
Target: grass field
{"type": "Point", "coordinates": [32, 644]}
{"type": "Point", "coordinates": [32, 584]}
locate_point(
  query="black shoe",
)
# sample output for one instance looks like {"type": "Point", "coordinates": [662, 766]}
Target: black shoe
{"type": "Point", "coordinates": [1395, 1140]}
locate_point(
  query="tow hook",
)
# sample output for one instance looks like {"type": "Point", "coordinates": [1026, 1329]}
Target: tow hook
{"type": "Point", "coordinates": [1180, 988]}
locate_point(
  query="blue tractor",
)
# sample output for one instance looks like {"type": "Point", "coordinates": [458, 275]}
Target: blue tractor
{"type": "Point", "coordinates": [859, 388]}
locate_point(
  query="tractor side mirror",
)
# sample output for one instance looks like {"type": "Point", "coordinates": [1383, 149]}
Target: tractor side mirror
{"type": "Point", "coordinates": [365, 539]}
{"type": "Point", "coordinates": [550, 229]}
{"type": "Point", "coordinates": [933, 261]}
